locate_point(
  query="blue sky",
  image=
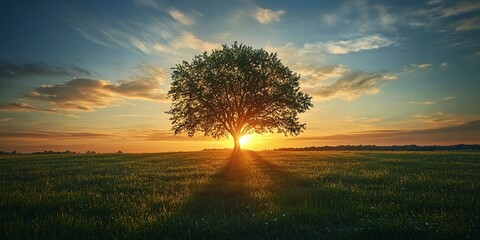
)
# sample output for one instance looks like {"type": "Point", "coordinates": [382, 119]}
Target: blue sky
{"type": "Point", "coordinates": [82, 75]}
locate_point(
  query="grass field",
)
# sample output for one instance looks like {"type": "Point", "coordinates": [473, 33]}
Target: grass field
{"type": "Point", "coordinates": [258, 195]}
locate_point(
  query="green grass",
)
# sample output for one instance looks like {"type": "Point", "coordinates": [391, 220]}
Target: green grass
{"type": "Point", "coordinates": [263, 195]}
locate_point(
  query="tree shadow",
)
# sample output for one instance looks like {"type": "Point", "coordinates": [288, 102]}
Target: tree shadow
{"type": "Point", "coordinates": [301, 206]}
{"type": "Point", "coordinates": [255, 198]}
{"type": "Point", "coordinates": [225, 193]}
{"type": "Point", "coordinates": [215, 210]}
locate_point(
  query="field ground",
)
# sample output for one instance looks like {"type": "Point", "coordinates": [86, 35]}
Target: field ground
{"type": "Point", "coordinates": [258, 195]}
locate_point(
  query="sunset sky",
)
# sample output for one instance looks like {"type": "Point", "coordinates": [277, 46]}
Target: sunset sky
{"type": "Point", "coordinates": [93, 75]}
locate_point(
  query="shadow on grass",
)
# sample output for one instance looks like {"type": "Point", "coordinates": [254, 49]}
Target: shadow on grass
{"type": "Point", "coordinates": [256, 198]}
{"type": "Point", "coordinates": [308, 209]}
{"type": "Point", "coordinates": [216, 210]}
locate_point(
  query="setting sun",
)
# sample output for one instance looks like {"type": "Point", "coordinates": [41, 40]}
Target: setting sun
{"type": "Point", "coordinates": [244, 140]}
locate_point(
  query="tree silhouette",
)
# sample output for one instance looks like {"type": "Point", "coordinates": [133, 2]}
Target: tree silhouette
{"type": "Point", "coordinates": [234, 91]}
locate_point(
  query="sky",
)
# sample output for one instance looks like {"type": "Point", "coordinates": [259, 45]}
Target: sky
{"type": "Point", "coordinates": [93, 75]}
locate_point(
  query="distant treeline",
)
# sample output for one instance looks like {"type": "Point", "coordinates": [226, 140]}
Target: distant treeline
{"type": "Point", "coordinates": [459, 147]}
{"type": "Point", "coordinates": [56, 152]}
{"type": "Point", "coordinates": [44, 152]}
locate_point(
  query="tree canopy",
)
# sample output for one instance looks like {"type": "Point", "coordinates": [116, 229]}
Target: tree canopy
{"type": "Point", "coordinates": [235, 91]}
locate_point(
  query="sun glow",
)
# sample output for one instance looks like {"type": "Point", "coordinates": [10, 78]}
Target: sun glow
{"type": "Point", "coordinates": [244, 140]}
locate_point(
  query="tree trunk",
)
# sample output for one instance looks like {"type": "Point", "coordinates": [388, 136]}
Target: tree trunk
{"type": "Point", "coordinates": [236, 147]}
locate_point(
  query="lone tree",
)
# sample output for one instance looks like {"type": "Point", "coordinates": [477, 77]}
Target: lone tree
{"type": "Point", "coordinates": [235, 91]}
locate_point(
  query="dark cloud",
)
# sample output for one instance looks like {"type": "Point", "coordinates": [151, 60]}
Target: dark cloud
{"type": "Point", "coordinates": [163, 135]}
{"type": "Point", "coordinates": [87, 94]}
{"type": "Point", "coordinates": [468, 133]}
{"type": "Point", "coordinates": [350, 86]}
{"type": "Point", "coordinates": [48, 134]}
{"type": "Point", "coordinates": [146, 85]}
{"type": "Point", "coordinates": [19, 107]}
{"type": "Point", "coordinates": [76, 94]}
{"type": "Point", "coordinates": [10, 70]}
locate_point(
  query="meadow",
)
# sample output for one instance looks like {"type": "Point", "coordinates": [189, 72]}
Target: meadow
{"type": "Point", "coordinates": [256, 195]}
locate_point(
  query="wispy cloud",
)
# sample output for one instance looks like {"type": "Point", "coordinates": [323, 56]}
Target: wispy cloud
{"type": "Point", "coordinates": [361, 16]}
{"type": "Point", "coordinates": [311, 51]}
{"type": "Point", "coordinates": [431, 102]}
{"type": "Point", "coordinates": [266, 16]}
{"type": "Point", "coordinates": [4, 120]}
{"type": "Point", "coordinates": [181, 17]}
{"type": "Point", "coordinates": [146, 3]}
{"type": "Point", "coordinates": [361, 119]}
{"type": "Point", "coordinates": [460, 7]}
{"type": "Point", "coordinates": [325, 81]}
{"type": "Point", "coordinates": [438, 119]}
{"type": "Point", "coordinates": [468, 24]}
{"type": "Point", "coordinates": [26, 107]}
{"type": "Point", "coordinates": [152, 36]}
{"type": "Point", "coordinates": [189, 40]}
{"type": "Point", "coordinates": [423, 103]}
{"type": "Point", "coordinates": [119, 33]}
{"type": "Point", "coordinates": [466, 132]}
{"type": "Point", "coordinates": [160, 135]}
{"type": "Point", "coordinates": [448, 98]}
{"type": "Point", "coordinates": [414, 68]}
{"type": "Point", "coordinates": [11, 70]}
{"type": "Point", "coordinates": [348, 46]}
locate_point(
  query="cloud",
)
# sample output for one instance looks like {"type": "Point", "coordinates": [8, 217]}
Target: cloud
{"type": "Point", "coordinates": [161, 135]}
{"type": "Point", "coordinates": [432, 101]}
{"type": "Point", "coordinates": [76, 94]}
{"type": "Point", "coordinates": [348, 46]}
{"type": "Point", "coordinates": [466, 132]}
{"type": "Point", "coordinates": [423, 103]}
{"type": "Point", "coordinates": [175, 48]}
{"type": "Point", "coordinates": [361, 16]}
{"type": "Point", "coordinates": [468, 24]}
{"type": "Point", "coordinates": [448, 98]}
{"type": "Point", "coordinates": [320, 49]}
{"type": "Point", "coordinates": [50, 134]}
{"type": "Point", "coordinates": [119, 33]}
{"type": "Point", "coordinates": [413, 68]}
{"type": "Point", "coordinates": [266, 16]}
{"type": "Point", "coordinates": [438, 118]}
{"type": "Point", "coordinates": [145, 86]}
{"type": "Point", "coordinates": [313, 75]}
{"type": "Point", "coordinates": [181, 17]}
{"type": "Point", "coordinates": [84, 94]}
{"type": "Point", "coordinates": [361, 119]}
{"type": "Point", "coordinates": [142, 46]}
{"type": "Point", "coordinates": [154, 36]}
{"type": "Point", "coordinates": [10, 70]}
{"type": "Point", "coordinates": [424, 65]}
{"type": "Point", "coordinates": [460, 8]}
{"type": "Point", "coordinates": [189, 40]}
{"type": "Point", "coordinates": [444, 65]}
{"type": "Point", "coordinates": [4, 120]}
{"type": "Point", "coordinates": [349, 86]}
{"type": "Point", "coordinates": [325, 81]}
{"type": "Point", "coordinates": [26, 107]}
{"type": "Point", "coordinates": [146, 3]}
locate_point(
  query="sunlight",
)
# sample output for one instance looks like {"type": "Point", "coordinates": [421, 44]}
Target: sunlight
{"type": "Point", "coordinates": [244, 140]}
